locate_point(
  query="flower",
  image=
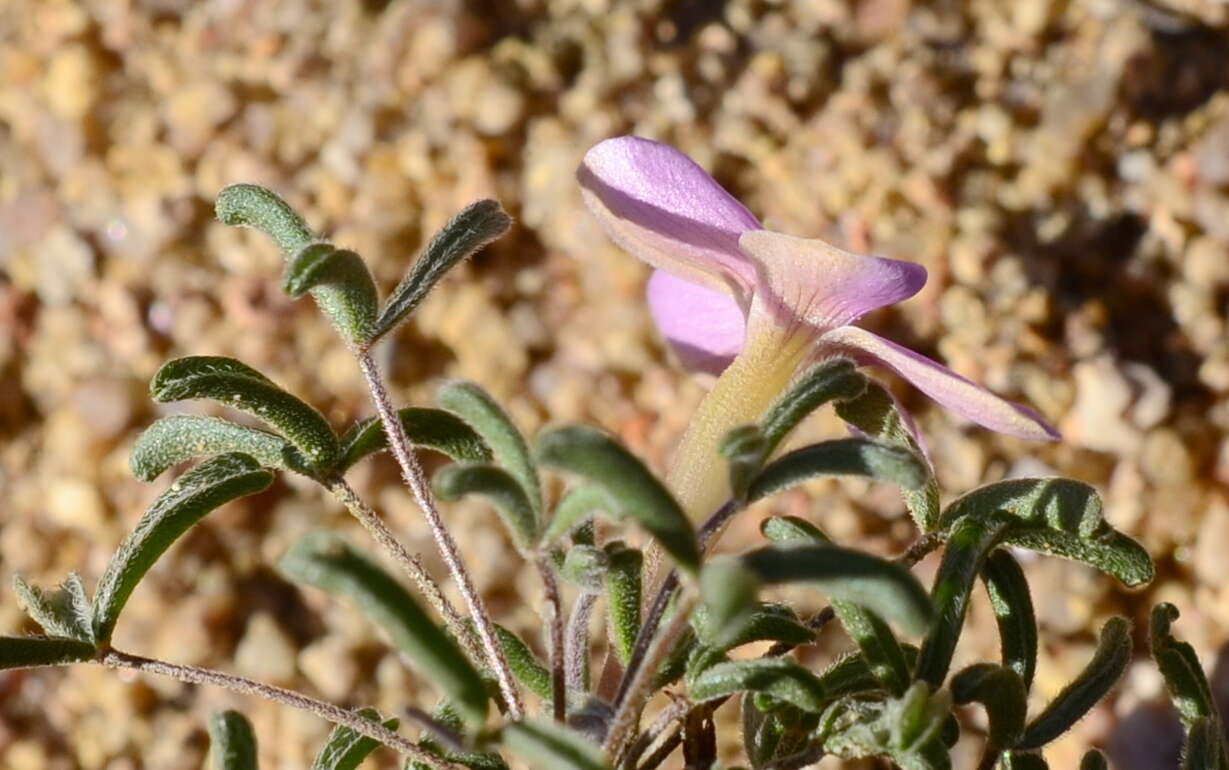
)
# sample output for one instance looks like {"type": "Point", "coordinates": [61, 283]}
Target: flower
{"type": "Point", "coordinates": [753, 306]}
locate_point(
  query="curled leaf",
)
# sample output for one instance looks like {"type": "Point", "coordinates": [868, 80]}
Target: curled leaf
{"type": "Point", "coordinates": [472, 228]}
{"type": "Point", "coordinates": [238, 385]}
{"type": "Point", "coordinates": [585, 565]}
{"type": "Point", "coordinates": [193, 495]}
{"type": "Point", "coordinates": [623, 598]}
{"type": "Point", "coordinates": [780, 678]}
{"type": "Point", "coordinates": [35, 651]}
{"type": "Point", "coordinates": [841, 457]}
{"type": "Point", "coordinates": [476, 407]}
{"type": "Point", "coordinates": [342, 286]}
{"type": "Point", "coordinates": [1205, 746]}
{"type": "Point", "coordinates": [426, 428]}
{"type": "Point", "coordinates": [329, 563]}
{"type": "Point", "coordinates": [631, 490]}
{"type": "Point", "coordinates": [834, 380]}
{"type": "Point", "coordinates": [1091, 685]}
{"type": "Point", "coordinates": [1001, 691]}
{"type": "Point", "coordinates": [249, 205]}
{"type": "Point", "coordinates": [728, 590]}
{"type": "Point", "coordinates": [499, 488]}
{"type": "Point", "coordinates": [879, 647]}
{"type": "Point", "coordinates": [181, 437]}
{"type": "Point", "coordinates": [64, 611]}
{"type": "Point", "coordinates": [1184, 678]}
{"type": "Point", "coordinates": [1012, 604]}
{"type": "Point", "coordinates": [575, 507]}
{"type": "Point", "coordinates": [232, 742]}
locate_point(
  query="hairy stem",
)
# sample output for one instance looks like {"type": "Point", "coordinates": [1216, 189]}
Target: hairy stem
{"type": "Point", "coordinates": [627, 712]}
{"type": "Point", "coordinates": [668, 717]}
{"type": "Point", "coordinates": [919, 549]}
{"type": "Point", "coordinates": [416, 482]}
{"type": "Point", "coordinates": [559, 693]}
{"type": "Point", "coordinates": [244, 686]}
{"type": "Point", "coordinates": [576, 645]}
{"type": "Point", "coordinates": [411, 565]}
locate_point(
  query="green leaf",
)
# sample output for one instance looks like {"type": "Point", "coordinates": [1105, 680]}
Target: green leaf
{"type": "Point", "coordinates": [875, 413]}
{"type": "Point", "coordinates": [232, 742]}
{"type": "Point", "coordinates": [1184, 678]}
{"type": "Point", "coordinates": [1022, 760]}
{"type": "Point", "coordinates": [327, 562]}
{"type": "Point", "coordinates": [238, 385]}
{"type": "Point", "coordinates": [34, 651]}
{"type": "Point", "coordinates": [765, 622]}
{"type": "Point", "coordinates": [833, 380]}
{"type": "Point", "coordinates": [346, 749]}
{"type": "Point", "coordinates": [623, 598]}
{"type": "Point", "coordinates": [791, 530]}
{"type": "Point", "coordinates": [728, 590]}
{"type": "Point", "coordinates": [249, 205]}
{"type": "Point", "coordinates": [426, 428]}
{"type": "Point", "coordinates": [908, 729]}
{"type": "Point", "coordinates": [761, 733]}
{"type": "Point", "coordinates": [887, 589]}
{"type": "Point", "coordinates": [182, 437]}
{"type": "Point", "coordinates": [64, 611]}
{"type": "Point", "coordinates": [1098, 677]}
{"type": "Point", "coordinates": [499, 489]}
{"type": "Point", "coordinates": [524, 664]}
{"type": "Point", "coordinates": [1012, 604]}
{"type": "Point", "coordinates": [1060, 517]}
{"type": "Point", "coordinates": [745, 450]}
{"type": "Point", "coordinates": [841, 457]}
{"type": "Point", "coordinates": [879, 647]}
{"type": "Point", "coordinates": [780, 678]}
{"type": "Point", "coordinates": [575, 507]}
{"type": "Point", "coordinates": [548, 746]}
{"type": "Point", "coordinates": [1094, 760]}
{"type": "Point", "coordinates": [476, 407]}
{"type": "Point", "coordinates": [193, 496]}
{"type": "Point", "coordinates": [585, 566]}
{"type": "Point", "coordinates": [1205, 746]}
{"type": "Point", "coordinates": [472, 228]}
{"type": "Point", "coordinates": [631, 490]}
{"type": "Point", "coordinates": [1001, 691]}
{"type": "Point", "coordinates": [968, 544]}
{"type": "Point", "coordinates": [342, 286]}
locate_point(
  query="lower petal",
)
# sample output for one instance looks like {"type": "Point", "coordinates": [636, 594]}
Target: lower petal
{"type": "Point", "coordinates": [941, 384]}
{"type": "Point", "coordinates": [705, 328]}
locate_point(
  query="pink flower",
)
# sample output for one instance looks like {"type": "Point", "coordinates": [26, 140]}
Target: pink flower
{"type": "Point", "coordinates": [752, 305]}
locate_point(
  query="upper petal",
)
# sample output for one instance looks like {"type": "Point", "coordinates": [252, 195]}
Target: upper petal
{"type": "Point", "coordinates": [705, 328]}
{"type": "Point", "coordinates": [658, 204]}
{"type": "Point", "coordinates": [941, 384]}
{"type": "Point", "coordinates": [811, 282]}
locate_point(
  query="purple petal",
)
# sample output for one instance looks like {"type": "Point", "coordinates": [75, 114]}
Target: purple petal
{"type": "Point", "coordinates": [705, 328]}
{"type": "Point", "coordinates": [807, 281]}
{"type": "Point", "coordinates": [941, 384]}
{"type": "Point", "coordinates": [655, 202]}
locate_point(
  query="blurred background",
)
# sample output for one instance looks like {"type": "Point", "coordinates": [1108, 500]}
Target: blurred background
{"type": "Point", "coordinates": [1061, 167]}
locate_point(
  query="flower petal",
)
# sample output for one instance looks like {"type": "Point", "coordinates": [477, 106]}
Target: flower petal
{"type": "Point", "coordinates": [655, 202]}
{"type": "Point", "coordinates": [705, 328]}
{"type": "Point", "coordinates": [941, 384]}
{"type": "Point", "coordinates": [809, 281]}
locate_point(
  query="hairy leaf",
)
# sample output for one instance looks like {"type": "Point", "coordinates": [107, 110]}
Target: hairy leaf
{"type": "Point", "coordinates": [547, 746]}
{"type": "Point", "coordinates": [193, 496]}
{"type": "Point", "coordinates": [1184, 678]}
{"type": "Point", "coordinates": [840, 457]}
{"type": "Point", "coordinates": [249, 205]}
{"type": "Point", "coordinates": [345, 749]}
{"type": "Point", "coordinates": [575, 507]}
{"type": "Point", "coordinates": [1091, 685]}
{"type": "Point", "coordinates": [879, 647]}
{"type": "Point", "coordinates": [585, 565]}
{"type": "Point", "coordinates": [64, 611]}
{"type": "Point", "coordinates": [476, 407]}
{"type": "Point", "coordinates": [764, 622]}
{"type": "Point", "coordinates": [1001, 691]}
{"type": "Point", "coordinates": [238, 385]}
{"type": "Point", "coordinates": [34, 651]}
{"type": "Point", "coordinates": [631, 490]}
{"type": "Point", "coordinates": [472, 228]}
{"type": "Point", "coordinates": [499, 489]}
{"type": "Point", "coordinates": [791, 530]}
{"type": "Point", "coordinates": [426, 428]}
{"type": "Point", "coordinates": [833, 380]}
{"type": "Point", "coordinates": [968, 544]}
{"type": "Point", "coordinates": [908, 729]}
{"type": "Point", "coordinates": [728, 590]}
{"type": "Point", "coordinates": [524, 664]}
{"type": "Point", "coordinates": [1205, 746]}
{"type": "Point", "coordinates": [327, 562]}
{"type": "Point", "coordinates": [745, 450]}
{"type": "Point", "coordinates": [1013, 610]}
{"type": "Point", "coordinates": [181, 437]}
{"type": "Point", "coordinates": [885, 588]}
{"type": "Point", "coordinates": [875, 413]}
{"type": "Point", "coordinates": [232, 742]}
{"type": "Point", "coordinates": [761, 733]}
{"type": "Point", "coordinates": [780, 678]}
{"type": "Point", "coordinates": [623, 598]}
{"type": "Point", "coordinates": [342, 286]}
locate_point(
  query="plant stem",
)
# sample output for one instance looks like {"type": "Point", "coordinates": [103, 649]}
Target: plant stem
{"type": "Point", "coordinates": [919, 549]}
{"type": "Point", "coordinates": [627, 711]}
{"type": "Point", "coordinates": [671, 714]}
{"type": "Point", "coordinates": [559, 693]}
{"type": "Point", "coordinates": [416, 482]}
{"type": "Point", "coordinates": [576, 645]}
{"type": "Point", "coordinates": [410, 564]}
{"type": "Point", "coordinates": [244, 686]}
